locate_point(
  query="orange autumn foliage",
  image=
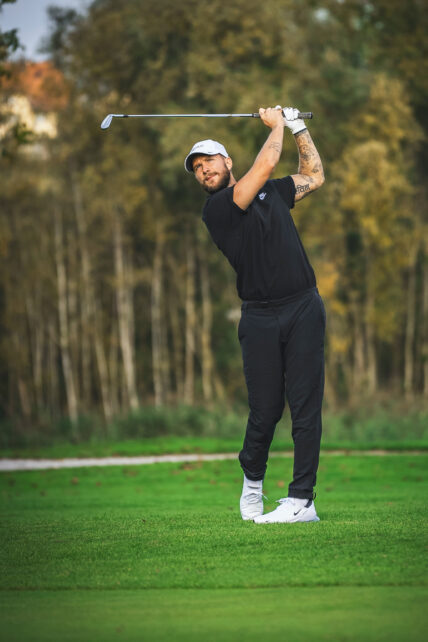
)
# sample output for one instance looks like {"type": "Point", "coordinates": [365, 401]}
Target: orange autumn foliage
{"type": "Point", "coordinates": [41, 82]}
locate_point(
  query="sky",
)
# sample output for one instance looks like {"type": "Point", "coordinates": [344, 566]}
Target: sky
{"type": "Point", "coordinates": [30, 18]}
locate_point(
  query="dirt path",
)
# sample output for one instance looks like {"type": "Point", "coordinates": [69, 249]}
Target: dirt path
{"type": "Point", "coordinates": [45, 464]}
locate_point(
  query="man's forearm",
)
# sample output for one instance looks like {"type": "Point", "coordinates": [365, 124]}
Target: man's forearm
{"type": "Point", "coordinates": [270, 153]}
{"type": "Point", "coordinates": [309, 160]}
{"type": "Point", "coordinates": [246, 188]}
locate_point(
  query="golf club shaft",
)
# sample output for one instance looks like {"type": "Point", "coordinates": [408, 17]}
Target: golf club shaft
{"type": "Point", "coordinates": [107, 120]}
{"type": "Point", "coordinates": [306, 114]}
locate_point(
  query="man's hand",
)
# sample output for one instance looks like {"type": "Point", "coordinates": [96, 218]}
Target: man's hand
{"type": "Point", "coordinates": [272, 116]}
{"type": "Point", "coordinates": [292, 120]}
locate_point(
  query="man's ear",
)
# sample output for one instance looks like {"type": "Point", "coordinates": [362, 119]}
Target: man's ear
{"type": "Point", "coordinates": [229, 163]}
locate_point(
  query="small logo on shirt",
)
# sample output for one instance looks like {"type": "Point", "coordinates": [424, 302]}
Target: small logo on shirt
{"type": "Point", "coordinates": [262, 195]}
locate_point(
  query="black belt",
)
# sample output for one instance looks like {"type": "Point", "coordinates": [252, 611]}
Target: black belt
{"type": "Point", "coordinates": [276, 302]}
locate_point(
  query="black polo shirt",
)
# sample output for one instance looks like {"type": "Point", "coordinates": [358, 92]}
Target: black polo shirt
{"type": "Point", "coordinates": [261, 243]}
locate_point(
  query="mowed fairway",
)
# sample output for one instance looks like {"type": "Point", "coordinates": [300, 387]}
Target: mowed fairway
{"type": "Point", "coordinates": [160, 553]}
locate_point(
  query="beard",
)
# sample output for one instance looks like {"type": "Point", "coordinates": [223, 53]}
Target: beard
{"type": "Point", "coordinates": [223, 182]}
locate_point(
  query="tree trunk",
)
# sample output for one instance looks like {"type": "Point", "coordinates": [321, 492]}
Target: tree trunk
{"type": "Point", "coordinates": [52, 374]}
{"type": "Point", "coordinates": [371, 344]}
{"type": "Point", "coordinates": [24, 398]}
{"type": "Point", "coordinates": [329, 391]}
{"type": "Point", "coordinates": [113, 358]}
{"type": "Point", "coordinates": [85, 320]}
{"type": "Point", "coordinates": [220, 390]}
{"type": "Point", "coordinates": [409, 360]}
{"type": "Point", "coordinates": [125, 314]}
{"type": "Point", "coordinates": [206, 352]}
{"type": "Point", "coordinates": [36, 337]}
{"type": "Point", "coordinates": [103, 376]}
{"type": "Point", "coordinates": [358, 375]}
{"type": "Point", "coordinates": [64, 338]}
{"type": "Point", "coordinates": [39, 348]}
{"type": "Point", "coordinates": [176, 297]}
{"type": "Point", "coordinates": [22, 357]}
{"type": "Point", "coordinates": [90, 315]}
{"type": "Point", "coordinates": [166, 368]}
{"type": "Point", "coordinates": [425, 324]}
{"type": "Point", "coordinates": [177, 345]}
{"type": "Point", "coordinates": [190, 323]}
{"type": "Point", "coordinates": [157, 321]}
{"type": "Point", "coordinates": [73, 313]}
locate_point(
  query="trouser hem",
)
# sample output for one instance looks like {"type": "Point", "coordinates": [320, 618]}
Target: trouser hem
{"type": "Point", "coordinates": [253, 476]}
{"type": "Point", "coordinates": [301, 494]}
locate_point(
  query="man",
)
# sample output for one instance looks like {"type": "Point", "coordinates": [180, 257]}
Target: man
{"type": "Point", "coordinates": [282, 324]}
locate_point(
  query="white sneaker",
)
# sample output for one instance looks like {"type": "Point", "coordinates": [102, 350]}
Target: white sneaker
{"type": "Point", "coordinates": [290, 509]}
{"type": "Point", "coordinates": [251, 502]}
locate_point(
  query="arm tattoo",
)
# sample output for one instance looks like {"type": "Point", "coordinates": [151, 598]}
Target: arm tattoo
{"type": "Point", "coordinates": [309, 159]}
{"type": "Point", "coordinates": [306, 153]}
{"type": "Point", "coordinates": [276, 146]}
{"type": "Point", "coordinates": [301, 189]}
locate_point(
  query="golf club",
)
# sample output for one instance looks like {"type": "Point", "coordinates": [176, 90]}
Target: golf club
{"type": "Point", "coordinates": [107, 120]}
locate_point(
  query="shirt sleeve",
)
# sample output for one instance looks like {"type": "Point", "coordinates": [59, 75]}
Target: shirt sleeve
{"type": "Point", "coordinates": [287, 190]}
{"type": "Point", "coordinates": [222, 216]}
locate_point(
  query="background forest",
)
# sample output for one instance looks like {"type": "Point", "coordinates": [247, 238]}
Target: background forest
{"type": "Point", "coordinates": [112, 295]}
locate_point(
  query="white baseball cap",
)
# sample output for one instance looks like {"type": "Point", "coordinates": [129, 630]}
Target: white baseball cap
{"type": "Point", "coordinates": [210, 147]}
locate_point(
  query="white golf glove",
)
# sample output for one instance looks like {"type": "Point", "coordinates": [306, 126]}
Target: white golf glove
{"type": "Point", "coordinates": [291, 120]}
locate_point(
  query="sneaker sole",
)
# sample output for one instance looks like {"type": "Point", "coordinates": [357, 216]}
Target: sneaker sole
{"type": "Point", "coordinates": [246, 518]}
{"type": "Point", "coordinates": [291, 521]}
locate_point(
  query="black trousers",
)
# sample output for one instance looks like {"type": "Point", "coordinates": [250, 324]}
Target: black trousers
{"type": "Point", "coordinates": [282, 345]}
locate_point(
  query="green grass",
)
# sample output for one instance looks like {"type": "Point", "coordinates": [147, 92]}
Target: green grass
{"type": "Point", "coordinates": [160, 553]}
{"type": "Point", "coordinates": [387, 614]}
{"type": "Point", "coordinates": [183, 445]}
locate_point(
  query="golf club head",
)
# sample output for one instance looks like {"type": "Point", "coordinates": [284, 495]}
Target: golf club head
{"type": "Point", "coordinates": [106, 122]}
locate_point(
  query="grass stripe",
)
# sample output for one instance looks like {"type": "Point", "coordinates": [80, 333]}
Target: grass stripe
{"type": "Point", "coordinates": [346, 614]}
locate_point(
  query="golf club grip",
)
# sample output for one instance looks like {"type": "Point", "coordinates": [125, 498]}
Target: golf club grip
{"type": "Point", "coordinates": [302, 114]}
